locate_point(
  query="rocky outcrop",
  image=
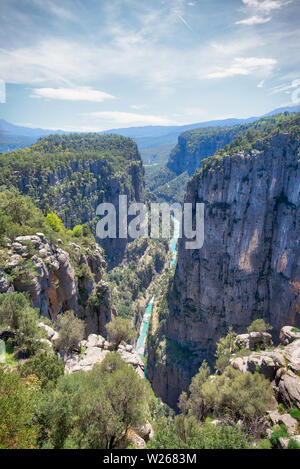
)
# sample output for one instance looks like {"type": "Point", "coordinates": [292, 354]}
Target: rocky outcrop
{"type": "Point", "coordinates": [59, 278]}
{"type": "Point", "coordinates": [249, 265]}
{"type": "Point", "coordinates": [95, 350]}
{"type": "Point", "coordinates": [279, 364]}
{"type": "Point", "coordinates": [253, 340]}
{"type": "Point", "coordinates": [288, 334]}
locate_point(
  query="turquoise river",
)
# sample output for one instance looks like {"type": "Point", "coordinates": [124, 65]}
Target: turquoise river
{"type": "Point", "coordinates": [140, 346]}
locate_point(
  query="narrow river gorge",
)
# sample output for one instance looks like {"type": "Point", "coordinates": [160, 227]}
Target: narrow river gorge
{"type": "Point", "coordinates": [141, 342]}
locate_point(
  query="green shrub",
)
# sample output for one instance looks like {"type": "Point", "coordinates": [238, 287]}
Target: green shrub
{"type": "Point", "coordinates": [77, 231]}
{"type": "Point", "coordinates": [194, 403]}
{"type": "Point", "coordinates": [17, 314]}
{"type": "Point", "coordinates": [94, 409]}
{"type": "Point", "coordinates": [186, 433]}
{"type": "Point", "coordinates": [225, 347]}
{"type": "Point", "coordinates": [120, 330]}
{"type": "Point", "coordinates": [263, 444]}
{"type": "Point", "coordinates": [277, 433]}
{"type": "Point", "coordinates": [238, 396]}
{"type": "Point", "coordinates": [46, 366]}
{"type": "Point", "coordinates": [281, 408]}
{"type": "Point", "coordinates": [54, 222]}
{"type": "Point", "coordinates": [293, 444]}
{"type": "Point", "coordinates": [71, 332]}
{"type": "Point", "coordinates": [259, 325]}
{"type": "Point", "coordinates": [17, 430]}
{"type": "Point", "coordinates": [295, 413]}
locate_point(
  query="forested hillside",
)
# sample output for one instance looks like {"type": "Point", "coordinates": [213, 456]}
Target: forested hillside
{"type": "Point", "coordinates": [72, 174]}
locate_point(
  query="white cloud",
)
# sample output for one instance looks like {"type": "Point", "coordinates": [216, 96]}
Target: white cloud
{"type": "Point", "coordinates": [244, 66]}
{"type": "Point", "coordinates": [83, 93]}
{"type": "Point", "coordinates": [261, 84]}
{"type": "Point", "coordinates": [266, 6]}
{"type": "Point", "coordinates": [286, 87]}
{"type": "Point", "coordinates": [292, 88]}
{"type": "Point", "coordinates": [260, 8]}
{"type": "Point", "coordinates": [254, 20]}
{"type": "Point", "coordinates": [238, 46]}
{"type": "Point", "coordinates": [128, 118]}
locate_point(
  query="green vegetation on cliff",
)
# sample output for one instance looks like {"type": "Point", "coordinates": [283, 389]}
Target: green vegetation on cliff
{"type": "Point", "coordinates": [196, 146]}
{"type": "Point", "coordinates": [72, 174]}
{"type": "Point", "coordinates": [257, 136]}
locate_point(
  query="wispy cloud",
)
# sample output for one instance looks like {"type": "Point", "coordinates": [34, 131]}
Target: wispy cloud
{"type": "Point", "coordinates": [53, 8]}
{"type": "Point", "coordinates": [261, 8]}
{"type": "Point", "coordinates": [285, 86]}
{"type": "Point", "coordinates": [244, 66]}
{"type": "Point", "coordinates": [83, 93]}
{"type": "Point", "coordinates": [266, 5]}
{"type": "Point", "coordinates": [254, 20]}
{"type": "Point", "coordinates": [127, 118]}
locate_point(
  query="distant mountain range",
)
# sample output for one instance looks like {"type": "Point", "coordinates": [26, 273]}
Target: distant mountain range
{"type": "Point", "coordinates": [154, 142]}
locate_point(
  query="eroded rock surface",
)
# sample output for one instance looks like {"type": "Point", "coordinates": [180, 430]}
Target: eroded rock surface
{"type": "Point", "coordinates": [60, 279]}
{"type": "Point", "coordinates": [249, 265]}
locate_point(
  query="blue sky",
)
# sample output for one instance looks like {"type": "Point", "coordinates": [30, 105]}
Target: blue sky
{"type": "Point", "coordinates": [100, 64]}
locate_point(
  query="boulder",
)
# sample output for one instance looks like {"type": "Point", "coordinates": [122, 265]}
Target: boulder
{"type": "Point", "coordinates": [92, 340]}
{"type": "Point", "coordinates": [216, 422]}
{"type": "Point", "coordinates": [5, 286]}
{"type": "Point", "coordinates": [278, 359]}
{"type": "Point", "coordinates": [263, 364]}
{"type": "Point", "coordinates": [259, 338]}
{"type": "Point", "coordinates": [132, 359]}
{"type": "Point", "coordinates": [84, 362]}
{"type": "Point", "coordinates": [137, 440]}
{"type": "Point", "coordinates": [242, 341]}
{"type": "Point", "coordinates": [289, 389]}
{"type": "Point", "coordinates": [290, 423]}
{"type": "Point", "coordinates": [292, 356]}
{"type": "Point", "coordinates": [239, 364]}
{"type": "Point", "coordinates": [41, 236]}
{"type": "Point", "coordinates": [51, 333]}
{"type": "Point", "coordinates": [252, 340]}
{"type": "Point", "coordinates": [284, 442]}
{"type": "Point", "coordinates": [288, 334]}
{"type": "Point", "coordinates": [145, 431]}
{"type": "Point", "coordinates": [274, 417]}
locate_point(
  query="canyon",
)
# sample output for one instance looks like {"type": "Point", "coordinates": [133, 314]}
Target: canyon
{"type": "Point", "coordinates": [249, 265]}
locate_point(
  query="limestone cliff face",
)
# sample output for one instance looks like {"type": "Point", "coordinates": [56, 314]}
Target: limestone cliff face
{"type": "Point", "coordinates": [249, 265]}
{"type": "Point", "coordinates": [195, 145]}
{"type": "Point", "coordinates": [59, 279]}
